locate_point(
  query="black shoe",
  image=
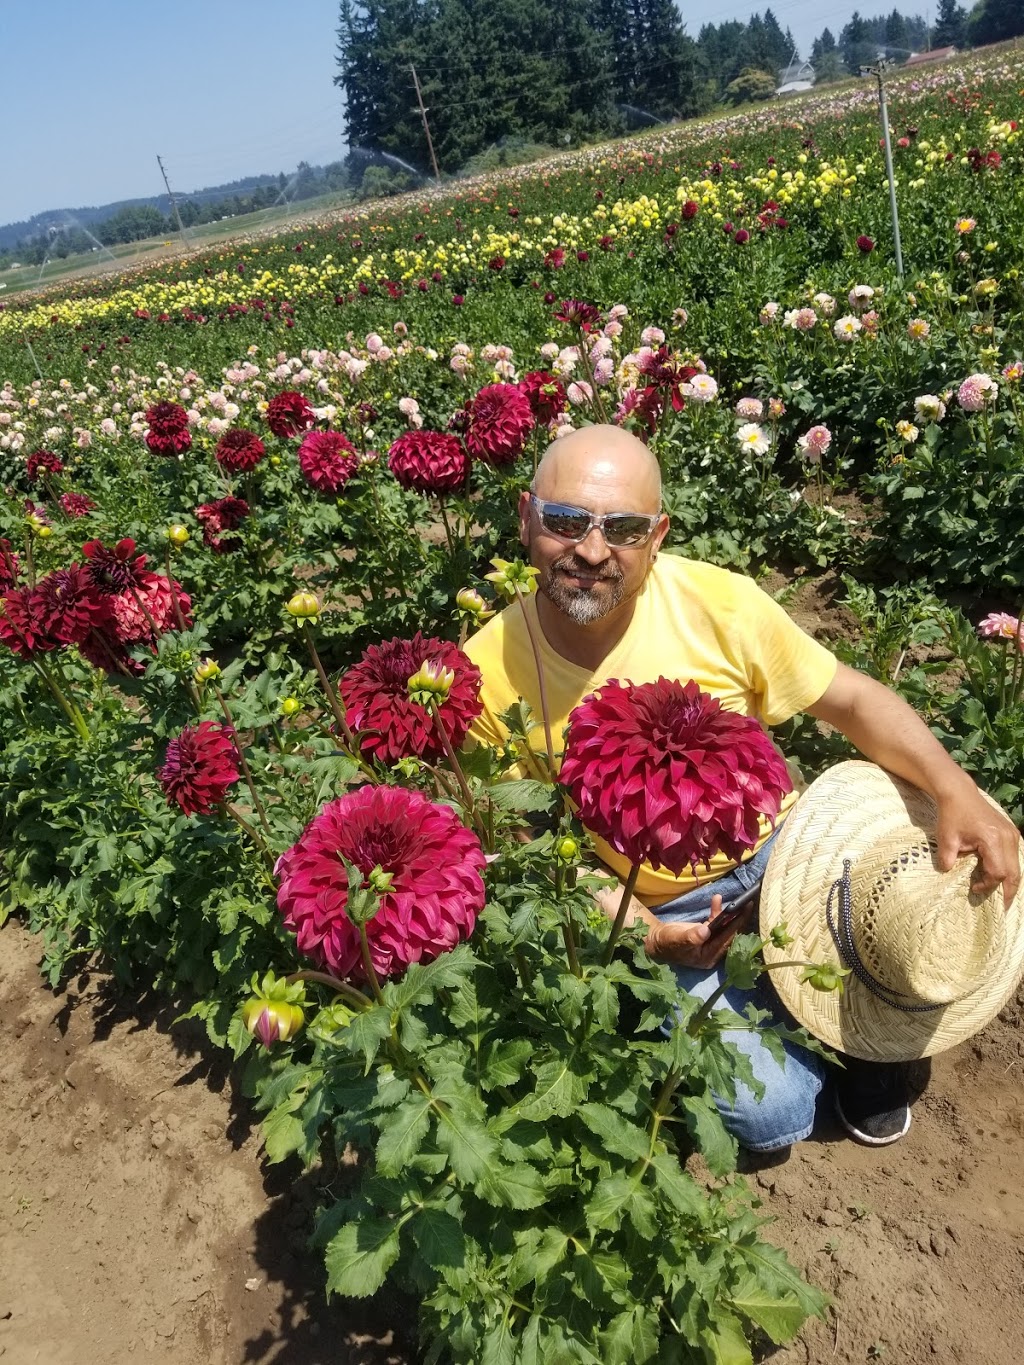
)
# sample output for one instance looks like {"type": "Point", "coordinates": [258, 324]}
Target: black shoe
{"type": "Point", "coordinates": [872, 1101]}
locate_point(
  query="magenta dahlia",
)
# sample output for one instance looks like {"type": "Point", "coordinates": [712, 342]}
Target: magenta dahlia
{"type": "Point", "coordinates": [289, 414]}
{"type": "Point", "coordinates": [577, 313]}
{"type": "Point", "coordinates": [168, 432]}
{"type": "Point", "coordinates": [376, 695]}
{"type": "Point", "coordinates": [328, 459]}
{"type": "Point", "coordinates": [426, 862]}
{"type": "Point", "coordinates": [200, 766]}
{"type": "Point", "coordinates": [44, 460]}
{"type": "Point", "coordinates": [68, 606]}
{"type": "Point", "coordinates": [76, 505]}
{"type": "Point", "coordinates": [429, 461]}
{"type": "Point", "coordinates": [21, 627]}
{"type": "Point", "coordinates": [666, 776]}
{"type": "Point", "coordinates": [222, 515]}
{"type": "Point", "coordinates": [498, 421]}
{"type": "Point", "coordinates": [239, 450]}
{"type": "Point", "coordinates": [545, 394]}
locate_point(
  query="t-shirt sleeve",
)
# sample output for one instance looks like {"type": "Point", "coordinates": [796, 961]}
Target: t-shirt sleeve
{"type": "Point", "coordinates": [788, 669]}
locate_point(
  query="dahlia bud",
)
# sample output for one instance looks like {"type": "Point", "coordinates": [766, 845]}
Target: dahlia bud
{"type": "Point", "coordinates": [290, 706]}
{"type": "Point", "coordinates": [431, 682]}
{"type": "Point", "coordinates": [304, 606]}
{"type": "Point", "coordinates": [472, 605]}
{"type": "Point", "coordinates": [510, 575]}
{"type": "Point", "coordinates": [567, 850]}
{"type": "Point", "coordinates": [271, 1021]}
{"type": "Point", "coordinates": [825, 976]}
{"type": "Point", "coordinates": [780, 938]}
{"type": "Point", "coordinates": [379, 880]}
{"type": "Point", "coordinates": [207, 670]}
{"type": "Point", "coordinates": [178, 535]}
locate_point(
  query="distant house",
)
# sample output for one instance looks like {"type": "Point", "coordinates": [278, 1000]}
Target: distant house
{"type": "Point", "coordinates": [797, 76]}
{"type": "Point", "coordinates": [937, 54]}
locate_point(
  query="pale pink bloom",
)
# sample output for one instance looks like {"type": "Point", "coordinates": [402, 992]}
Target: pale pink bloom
{"type": "Point", "coordinates": [194, 417]}
{"type": "Point", "coordinates": [800, 319]}
{"type": "Point", "coordinates": [217, 426]}
{"type": "Point", "coordinates": [750, 409]}
{"type": "Point", "coordinates": [815, 443]}
{"type": "Point", "coordinates": [566, 361]}
{"type": "Point", "coordinates": [108, 427]}
{"type": "Point", "coordinates": [612, 329]}
{"type": "Point", "coordinates": [504, 369]}
{"type": "Point", "coordinates": [185, 393]}
{"type": "Point", "coordinates": [776, 408]}
{"type": "Point", "coordinates": [870, 321]}
{"type": "Point", "coordinates": [846, 329]}
{"type": "Point", "coordinates": [460, 348]}
{"type": "Point", "coordinates": [461, 364]}
{"type": "Point", "coordinates": [617, 312]}
{"type": "Point", "coordinates": [1013, 372]}
{"type": "Point", "coordinates": [680, 317]}
{"type": "Point", "coordinates": [561, 425]}
{"type": "Point", "coordinates": [374, 342]}
{"type": "Point", "coordinates": [488, 354]}
{"type": "Point", "coordinates": [355, 369]}
{"type": "Point", "coordinates": [579, 392]}
{"type": "Point", "coordinates": [401, 329]}
{"type": "Point", "coordinates": [929, 408]}
{"type": "Point", "coordinates": [976, 392]}
{"type": "Point", "coordinates": [1000, 625]}
{"type": "Point", "coordinates": [753, 439]}
{"type": "Point", "coordinates": [83, 438]}
{"type": "Point", "coordinates": [860, 296]}
{"type": "Point", "coordinates": [604, 370]}
{"type": "Point", "coordinates": [549, 350]}
{"type": "Point", "coordinates": [216, 400]}
{"type": "Point", "coordinates": [918, 328]}
{"type": "Point", "coordinates": [965, 225]}
{"type": "Point", "coordinates": [652, 336]}
{"type": "Point", "coordinates": [768, 313]}
{"type": "Point", "coordinates": [600, 346]}
{"type": "Point", "coordinates": [408, 407]}
{"type": "Point", "coordinates": [701, 388]}
{"type": "Point", "coordinates": [231, 411]}
{"type": "Point", "coordinates": [825, 304]}
{"type": "Point", "coordinates": [384, 354]}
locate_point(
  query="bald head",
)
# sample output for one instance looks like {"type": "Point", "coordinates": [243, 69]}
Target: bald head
{"type": "Point", "coordinates": [605, 461]}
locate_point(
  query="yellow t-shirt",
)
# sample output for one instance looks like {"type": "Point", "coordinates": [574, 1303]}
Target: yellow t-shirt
{"type": "Point", "coordinates": [691, 620]}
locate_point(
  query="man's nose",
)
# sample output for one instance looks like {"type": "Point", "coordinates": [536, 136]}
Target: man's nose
{"type": "Point", "coordinates": [593, 547]}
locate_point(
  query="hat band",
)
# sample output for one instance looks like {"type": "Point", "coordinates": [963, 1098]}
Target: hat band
{"type": "Point", "coordinates": [842, 937]}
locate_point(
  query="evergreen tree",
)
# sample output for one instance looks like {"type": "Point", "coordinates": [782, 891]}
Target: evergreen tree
{"type": "Point", "coordinates": [950, 25]}
{"type": "Point", "coordinates": [993, 21]}
{"type": "Point", "coordinates": [896, 37]}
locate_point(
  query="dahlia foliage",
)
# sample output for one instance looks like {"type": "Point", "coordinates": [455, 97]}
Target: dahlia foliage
{"type": "Point", "coordinates": [426, 862]}
{"type": "Point", "coordinates": [429, 462]}
{"type": "Point", "coordinates": [666, 776]}
{"type": "Point", "coordinates": [389, 725]}
{"type": "Point", "coordinates": [498, 421]}
{"type": "Point", "coordinates": [200, 767]}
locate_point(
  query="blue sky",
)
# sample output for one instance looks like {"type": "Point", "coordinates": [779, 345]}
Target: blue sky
{"type": "Point", "coordinates": [94, 89]}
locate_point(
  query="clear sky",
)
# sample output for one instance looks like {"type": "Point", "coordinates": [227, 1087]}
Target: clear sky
{"type": "Point", "coordinates": [94, 89]}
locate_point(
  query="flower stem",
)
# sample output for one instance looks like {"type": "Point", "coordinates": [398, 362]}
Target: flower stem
{"type": "Point", "coordinates": [333, 700]}
{"type": "Point", "coordinates": [544, 708]}
{"type": "Point", "coordinates": [342, 987]}
{"type": "Point", "coordinates": [371, 975]}
{"type": "Point", "coordinates": [620, 918]}
{"type": "Point", "coordinates": [453, 759]}
{"type": "Point", "coordinates": [72, 712]}
{"type": "Point", "coordinates": [254, 835]}
{"type": "Point", "coordinates": [568, 937]}
{"type": "Point", "coordinates": [179, 615]}
{"type": "Point", "coordinates": [243, 762]}
{"type": "Point", "coordinates": [699, 1019]}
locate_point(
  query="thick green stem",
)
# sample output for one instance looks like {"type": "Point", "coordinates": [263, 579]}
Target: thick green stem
{"type": "Point", "coordinates": [539, 665]}
{"type": "Point", "coordinates": [620, 918]}
{"type": "Point", "coordinates": [697, 1022]}
{"type": "Point", "coordinates": [453, 759]}
{"type": "Point", "coordinates": [371, 975]}
{"type": "Point", "coordinates": [568, 937]}
{"type": "Point", "coordinates": [333, 700]}
{"type": "Point", "coordinates": [350, 993]}
{"type": "Point", "coordinates": [243, 824]}
{"type": "Point", "coordinates": [72, 712]}
{"type": "Point", "coordinates": [178, 614]}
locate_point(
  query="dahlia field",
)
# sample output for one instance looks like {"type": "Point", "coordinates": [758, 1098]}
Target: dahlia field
{"type": "Point", "coordinates": [255, 501]}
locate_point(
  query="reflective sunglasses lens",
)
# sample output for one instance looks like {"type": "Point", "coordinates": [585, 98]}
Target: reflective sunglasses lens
{"type": "Point", "coordinates": [569, 522]}
{"type": "Point", "coordinates": [626, 529]}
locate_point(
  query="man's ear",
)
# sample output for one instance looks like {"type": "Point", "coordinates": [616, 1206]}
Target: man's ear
{"type": "Point", "coordinates": [524, 517]}
{"type": "Point", "coordinates": [660, 532]}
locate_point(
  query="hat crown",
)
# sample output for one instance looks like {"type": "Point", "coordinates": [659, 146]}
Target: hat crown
{"type": "Point", "coordinates": [921, 933]}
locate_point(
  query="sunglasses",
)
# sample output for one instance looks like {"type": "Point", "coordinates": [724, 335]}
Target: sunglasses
{"type": "Point", "coordinates": [576, 523]}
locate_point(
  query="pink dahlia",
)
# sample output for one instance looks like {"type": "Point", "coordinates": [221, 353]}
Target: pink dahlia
{"type": "Point", "coordinates": [429, 461]}
{"type": "Point", "coordinates": [545, 394]}
{"type": "Point", "coordinates": [135, 613]}
{"type": "Point", "coordinates": [21, 626]}
{"type": "Point", "coordinates": [328, 459]}
{"type": "Point", "coordinates": [239, 450]}
{"type": "Point", "coordinates": [1002, 626]}
{"type": "Point", "coordinates": [168, 432]}
{"type": "Point", "coordinates": [391, 725]}
{"type": "Point", "coordinates": [977, 392]}
{"type": "Point", "coordinates": [200, 766]}
{"type": "Point", "coordinates": [76, 505]}
{"type": "Point", "coordinates": [289, 414]}
{"type": "Point", "coordinates": [45, 461]}
{"type": "Point", "coordinates": [498, 421]}
{"type": "Point", "coordinates": [666, 776]}
{"type": "Point", "coordinates": [223, 514]}
{"type": "Point", "coordinates": [67, 605]}
{"type": "Point", "coordinates": [426, 863]}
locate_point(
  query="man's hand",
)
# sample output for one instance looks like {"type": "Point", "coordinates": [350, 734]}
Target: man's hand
{"type": "Point", "coordinates": [968, 824]}
{"type": "Point", "coordinates": [690, 945]}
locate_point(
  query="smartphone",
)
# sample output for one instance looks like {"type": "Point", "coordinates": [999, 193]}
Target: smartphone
{"type": "Point", "coordinates": [729, 914]}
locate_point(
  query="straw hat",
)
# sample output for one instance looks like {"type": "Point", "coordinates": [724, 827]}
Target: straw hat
{"type": "Point", "coordinates": [931, 961]}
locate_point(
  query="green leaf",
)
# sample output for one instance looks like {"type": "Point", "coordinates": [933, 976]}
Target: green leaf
{"type": "Point", "coordinates": [499, 1344]}
{"type": "Point", "coordinates": [440, 1239]}
{"type": "Point", "coordinates": [367, 1031]}
{"type": "Point", "coordinates": [537, 1253]}
{"type": "Point", "coordinates": [631, 1336]}
{"type": "Point", "coordinates": [421, 982]}
{"type": "Point", "coordinates": [559, 1090]}
{"type": "Point", "coordinates": [679, 1187]}
{"type": "Point", "coordinates": [725, 1342]}
{"type": "Point", "coordinates": [470, 1147]}
{"type": "Point", "coordinates": [360, 1256]}
{"type": "Point", "coordinates": [504, 1063]}
{"type": "Point", "coordinates": [776, 1274]}
{"type": "Point", "coordinates": [615, 1131]}
{"type": "Point", "coordinates": [620, 1196]}
{"type": "Point", "coordinates": [514, 1187]}
{"type": "Point", "coordinates": [402, 1133]}
{"type": "Point", "coordinates": [521, 794]}
{"type": "Point", "coordinates": [780, 1317]}
{"type": "Point", "coordinates": [716, 1143]}
{"type": "Point", "coordinates": [283, 1133]}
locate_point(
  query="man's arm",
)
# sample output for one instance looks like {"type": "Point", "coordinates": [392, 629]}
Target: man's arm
{"type": "Point", "coordinates": [890, 733]}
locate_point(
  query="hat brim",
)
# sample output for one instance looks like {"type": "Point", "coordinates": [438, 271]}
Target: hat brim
{"type": "Point", "coordinates": [851, 809]}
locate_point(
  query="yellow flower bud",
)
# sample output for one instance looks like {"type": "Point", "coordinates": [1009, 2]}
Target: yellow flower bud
{"type": "Point", "coordinates": [207, 671]}
{"type": "Point", "coordinates": [290, 706]}
{"type": "Point", "coordinates": [304, 606]}
{"type": "Point", "coordinates": [178, 535]}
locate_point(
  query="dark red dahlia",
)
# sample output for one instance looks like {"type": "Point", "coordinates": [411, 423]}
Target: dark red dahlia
{"type": "Point", "coordinates": [168, 432]}
{"type": "Point", "coordinates": [289, 414]}
{"type": "Point", "coordinates": [44, 460]}
{"type": "Point", "coordinates": [21, 628]}
{"type": "Point", "coordinates": [9, 566]}
{"type": "Point", "coordinates": [865, 244]}
{"type": "Point", "coordinates": [200, 766]}
{"type": "Point", "coordinates": [690, 209]}
{"type": "Point", "coordinates": [741, 237]}
{"type": "Point", "coordinates": [76, 504]}
{"type": "Point", "coordinates": [67, 605]}
{"type": "Point", "coordinates": [429, 461]}
{"type": "Point", "coordinates": [545, 394]}
{"type": "Point", "coordinates": [328, 459]}
{"type": "Point", "coordinates": [114, 569]}
{"type": "Point", "coordinates": [223, 514]}
{"type": "Point", "coordinates": [425, 864]}
{"type": "Point", "coordinates": [499, 419]}
{"type": "Point", "coordinates": [239, 450]}
{"type": "Point", "coordinates": [666, 776]}
{"type": "Point", "coordinates": [391, 725]}
{"type": "Point", "coordinates": [577, 313]}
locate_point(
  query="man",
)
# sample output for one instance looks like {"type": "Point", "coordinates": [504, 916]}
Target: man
{"type": "Point", "coordinates": [608, 607]}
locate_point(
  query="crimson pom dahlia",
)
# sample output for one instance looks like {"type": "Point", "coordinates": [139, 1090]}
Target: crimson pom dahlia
{"type": "Point", "coordinates": [239, 450]}
{"type": "Point", "coordinates": [168, 432]}
{"type": "Point", "coordinates": [21, 627]}
{"type": "Point", "coordinates": [223, 514]}
{"type": "Point", "coordinates": [545, 394]}
{"type": "Point", "coordinates": [498, 421]}
{"type": "Point", "coordinates": [429, 461]}
{"type": "Point", "coordinates": [666, 776]}
{"type": "Point", "coordinates": [45, 461]}
{"type": "Point", "coordinates": [9, 566]}
{"type": "Point", "coordinates": [200, 766]}
{"type": "Point", "coordinates": [328, 459]}
{"type": "Point", "coordinates": [376, 696]}
{"type": "Point", "coordinates": [289, 414]}
{"type": "Point", "coordinates": [431, 901]}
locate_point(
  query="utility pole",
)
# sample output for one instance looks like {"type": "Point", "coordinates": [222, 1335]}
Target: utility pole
{"type": "Point", "coordinates": [174, 203]}
{"type": "Point", "coordinates": [879, 70]}
{"type": "Point", "coordinates": [426, 125]}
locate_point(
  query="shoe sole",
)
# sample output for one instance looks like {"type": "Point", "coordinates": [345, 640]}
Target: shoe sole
{"type": "Point", "coordinates": [866, 1138]}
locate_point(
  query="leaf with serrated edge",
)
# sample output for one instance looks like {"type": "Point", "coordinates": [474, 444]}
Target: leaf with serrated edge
{"type": "Point", "coordinates": [514, 1187]}
{"type": "Point", "coordinates": [440, 1239]}
{"type": "Point", "coordinates": [402, 1133]}
{"type": "Point", "coordinates": [780, 1317]}
{"type": "Point", "coordinates": [725, 1343]}
{"type": "Point", "coordinates": [360, 1256]}
{"type": "Point", "coordinates": [616, 1131]}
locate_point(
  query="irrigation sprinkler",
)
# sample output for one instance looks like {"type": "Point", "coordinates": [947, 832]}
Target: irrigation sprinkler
{"type": "Point", "coordinates": [878, 71]}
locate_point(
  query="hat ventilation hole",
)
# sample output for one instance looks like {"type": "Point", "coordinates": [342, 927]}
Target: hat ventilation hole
{"type": "Point", "coordinates": [910, 857]}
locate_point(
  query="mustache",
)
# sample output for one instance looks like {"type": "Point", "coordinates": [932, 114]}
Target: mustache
{"type": "Point", "coordinates": [571, 564]}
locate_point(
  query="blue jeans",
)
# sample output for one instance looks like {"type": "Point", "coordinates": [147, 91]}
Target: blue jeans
{"type": "Point", "coordinates": [785, 1113]}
